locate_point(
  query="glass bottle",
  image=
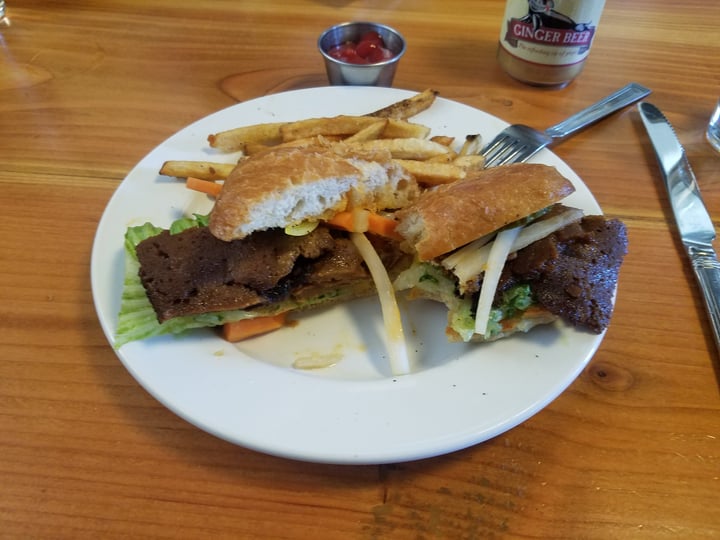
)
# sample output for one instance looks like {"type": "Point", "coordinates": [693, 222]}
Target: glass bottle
{"type": "Point", "coordinates": [546, 42]}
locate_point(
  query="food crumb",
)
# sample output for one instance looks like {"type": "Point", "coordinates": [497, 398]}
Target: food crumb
{"type": "Point", "coordinates": [318, 360]}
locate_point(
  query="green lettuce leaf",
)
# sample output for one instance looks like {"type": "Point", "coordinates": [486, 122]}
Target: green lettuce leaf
{"type": "Point", "coordinates": [514, 302]}
{"type": "Point", "coordinates": [137, 319]}
{"type": "Point", "coordinates": [437, 284]}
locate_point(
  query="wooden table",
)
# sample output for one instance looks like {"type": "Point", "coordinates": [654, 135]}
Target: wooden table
{"type": "Point", "coordinates": [630, 450]}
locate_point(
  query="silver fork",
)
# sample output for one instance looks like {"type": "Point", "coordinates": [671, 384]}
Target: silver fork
{"type": "Point", "coordinates": [519, 143]}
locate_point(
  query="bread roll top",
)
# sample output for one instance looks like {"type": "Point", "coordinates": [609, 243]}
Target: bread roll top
{"type": "Point", "coordinates": [290, 185]}
{"type": "Point", "coordinates": [452, 215]}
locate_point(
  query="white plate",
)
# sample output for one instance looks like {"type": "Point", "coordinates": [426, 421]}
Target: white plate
{"type": "Point", "coordinates": [355, 411]}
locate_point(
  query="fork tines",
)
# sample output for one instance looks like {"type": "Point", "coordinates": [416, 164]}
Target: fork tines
{"type": "Point", "coordinates": [515, 144]}
{"type": "Point", "coordinates": [503, 150]}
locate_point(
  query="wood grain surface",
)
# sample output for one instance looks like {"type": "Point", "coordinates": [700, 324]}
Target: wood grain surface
{"type": "Point", "coordinates": [87, 88]}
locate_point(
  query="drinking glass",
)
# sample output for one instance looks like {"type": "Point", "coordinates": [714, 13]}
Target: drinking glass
{"type": "Point", "coordinates": [4, 21]}
{"type": "Point", "coordinates": [713, 129]}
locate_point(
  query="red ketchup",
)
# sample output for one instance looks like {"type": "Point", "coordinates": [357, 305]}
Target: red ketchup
{"type": "Point", "coordinates": [369, 50]}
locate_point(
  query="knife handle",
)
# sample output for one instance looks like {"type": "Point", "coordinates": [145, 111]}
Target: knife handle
{"type": "Point", "coordinates": [707, 270]}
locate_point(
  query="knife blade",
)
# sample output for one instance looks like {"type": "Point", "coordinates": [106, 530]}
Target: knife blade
{"type": "Point", "coordinates": [697, 231]}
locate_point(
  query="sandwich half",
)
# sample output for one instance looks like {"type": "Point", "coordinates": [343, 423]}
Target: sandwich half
{"type": "Point", "coordinates": [504, 255]}
{"type": "Point", "coordinates": [269, 246]}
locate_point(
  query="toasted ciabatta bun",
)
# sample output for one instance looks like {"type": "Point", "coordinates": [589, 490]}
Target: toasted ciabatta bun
{"type": "Point", "coordinates": [290, 185]}
{"type": "Point", "coordinates": [478, 205]}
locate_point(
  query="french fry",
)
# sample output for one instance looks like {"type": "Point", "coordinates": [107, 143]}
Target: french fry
{"type": "Point", "coordinates": [415, 149]}
{"type": "Point", "coordinates": [252, 148]}
{"type": "Point", "coordinates": [401, 129]}
{"type": "Point", "coordinates": [470, 162]}
{"type": "Point", "coordinates": [317, 140]}
{"type": "Point", "coordinates": [204, 170]}
{"type": "Point", "coordinates": [272, 133]}
{"type": "Point", "coordinates": [369, 133]}
{"type": "Point", "coordinates": [235, 139]}
{"type": "Point", "coordinates": [472, 145]}
{"type": "Point", "coordinates": [443, 139]}
{"type": "Point", "coordinates": [443, 158]}
{"type": "Point", "coordinates": [409, 107]}
{"type": "Point", "coordinates": [343, 125]}
{"type": "Point", "coordinates": [430, 173]}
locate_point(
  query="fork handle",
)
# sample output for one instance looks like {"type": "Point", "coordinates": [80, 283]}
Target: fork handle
{"type": "Point", "coordinates": [605, 107]}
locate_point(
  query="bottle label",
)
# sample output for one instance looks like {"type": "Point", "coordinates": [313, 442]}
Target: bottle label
{"type": "Point", "coordinates": [552, 32]}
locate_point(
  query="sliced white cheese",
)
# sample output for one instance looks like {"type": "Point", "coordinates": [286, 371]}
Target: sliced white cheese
{"type": "Point", "coordinates": [499, 251]}
{"type": "Point", "coordinates": [469, 262]}
{"type": "Point", "coordinates": [395, 336]}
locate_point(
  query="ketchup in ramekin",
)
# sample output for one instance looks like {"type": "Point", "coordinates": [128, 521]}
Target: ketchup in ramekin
{"type": "Point", "coordinates": [370, 49]}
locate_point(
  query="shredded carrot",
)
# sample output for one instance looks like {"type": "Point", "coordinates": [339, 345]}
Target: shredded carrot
{"type": "Point", "coordinates": [353, 221]}
{"type": "Point", "coordinates": [245, 328]}
{"type": "Point", "coordinates": [384, 226]}
{"type": "Point", "coordinates": [203, 186]}
{"type": "Point", "coordinates": [376, 224]}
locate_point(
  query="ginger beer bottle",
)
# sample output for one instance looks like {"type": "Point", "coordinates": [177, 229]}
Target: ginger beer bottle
{"type": "Point", "coordinates": [546, 42]}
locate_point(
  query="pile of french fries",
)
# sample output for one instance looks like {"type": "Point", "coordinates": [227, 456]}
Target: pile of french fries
{"type": "Point", "coordinates": [432, 160]}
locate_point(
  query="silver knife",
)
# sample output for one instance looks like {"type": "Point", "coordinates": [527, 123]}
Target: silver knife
{"type": "Point", "coordinates": [696, 228]}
